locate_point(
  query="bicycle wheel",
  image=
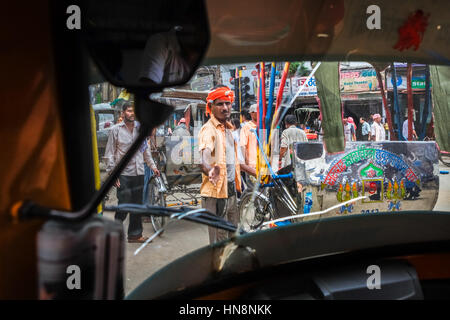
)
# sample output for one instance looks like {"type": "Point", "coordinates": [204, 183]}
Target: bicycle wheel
{"type": "Point", "coordinates": [253, 213]}
{"type": "Point", "coordinates": [445, 158]}
{"type": "Point", "coordinates": [156, 198]}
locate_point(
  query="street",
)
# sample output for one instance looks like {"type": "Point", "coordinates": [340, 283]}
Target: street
{"type": "Point", "coordinates": [183, 237]}
{"type": "Point", "coordinates": [178, 239]}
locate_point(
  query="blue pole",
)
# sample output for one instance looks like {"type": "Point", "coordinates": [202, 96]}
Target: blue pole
{"type": "Point", "coordinates": [426, 108]}
{"type": "Point", "coordinates": [398, 117]}
{"type": "Point", "coordinates": [269, 107]}
{"type": "Point", "coordinates": [264, 154]}
{"type": "Point", "coordinates": [261, 119]}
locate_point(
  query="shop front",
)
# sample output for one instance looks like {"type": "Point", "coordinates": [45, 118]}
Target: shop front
{"type": "Point", "coordinates": [360, 95]}
{"type": "Point", "coordinates": [422, 116]}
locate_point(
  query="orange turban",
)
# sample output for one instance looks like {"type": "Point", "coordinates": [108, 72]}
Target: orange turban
{"type": "Point", "coordinates": [223, 93]}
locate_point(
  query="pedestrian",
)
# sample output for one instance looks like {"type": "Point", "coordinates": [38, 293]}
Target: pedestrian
{"type": "Point", "coordinates": [289, 136]}
{"type": "Point", "coordinates": [352, 122]}
{"type": "Point", "coordinates": [365, 129]}
{"type": "Point", "coordinates": [245, 117]}
{"type": "Point", "coordinates": [349, 131]}
{"type": "Point", "coordinates": [131, 180]}
{"type": "Point", "coordinates": [320, 129]}
{"type": "Point", "coordinates": [148, 173]}
{"type": "Point", "coordinates": [377, 131]}
{"type": "Point", "coordinates": [405, 129]}
{"type": "Point", "coordinates": [249, 147]}
{"type": "Point", "coordinates": [219, 161]}
{"type": "Point", "coordinates": [370, 120]}
{"type": "Point", "coordinates": [237, 136]}
{"type": "Point", "coordinates": [181, 129]}
{"type": "Point", "coordinates": [236, 129]}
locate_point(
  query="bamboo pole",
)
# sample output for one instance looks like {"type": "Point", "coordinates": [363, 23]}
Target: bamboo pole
{"type": "Point", "coordinates": [426, 109]}
{"type": "Point", "coordinates": [396, 106]}
{"type": "Point", "coordinates": [410, 102]}
{"type": "Point", "coordinates": [385, 105]}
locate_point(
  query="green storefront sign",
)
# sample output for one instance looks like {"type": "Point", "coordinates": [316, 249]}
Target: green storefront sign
{"type": "Point", "coordinates": [418, 83]}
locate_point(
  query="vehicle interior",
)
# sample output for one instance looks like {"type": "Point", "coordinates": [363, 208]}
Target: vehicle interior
{"type": "Point", "coordinates": [51, 193]}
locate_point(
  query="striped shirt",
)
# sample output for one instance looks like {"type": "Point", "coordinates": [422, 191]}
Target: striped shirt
{"type": "Point", "coordinates": [119, 141]}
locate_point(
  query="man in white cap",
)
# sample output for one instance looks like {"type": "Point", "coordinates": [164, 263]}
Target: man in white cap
{"type": "Point", "coordinates": [248, 145]}
{"type": "Point", "coordinates": [377, 131]}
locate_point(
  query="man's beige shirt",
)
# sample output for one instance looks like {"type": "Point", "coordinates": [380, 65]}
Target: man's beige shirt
{"type": "Point", "coordinates": [119, 141]}
{"type": "Point", "coordinates": [212, 136]}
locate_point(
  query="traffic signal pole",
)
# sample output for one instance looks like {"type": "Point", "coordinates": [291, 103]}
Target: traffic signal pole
{"type": "Point", "coordinates": [236, 89]}
{"type": "Point", "coordinates": [240, 91]}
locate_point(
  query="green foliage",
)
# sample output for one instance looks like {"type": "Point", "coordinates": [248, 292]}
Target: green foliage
{"type": "Point", "coordinates": [298, 69]}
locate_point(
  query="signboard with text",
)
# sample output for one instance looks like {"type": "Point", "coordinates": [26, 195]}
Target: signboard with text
{"type": "Point", "coordinates": [359, 80]}
{"type": "Point", "coordinates": [418, 82]}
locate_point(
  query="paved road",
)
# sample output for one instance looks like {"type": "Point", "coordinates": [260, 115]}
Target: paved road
{"type": "Point", "coordinates": [182, 237]}
{"type": "Point", "coordinates": [178, 239]}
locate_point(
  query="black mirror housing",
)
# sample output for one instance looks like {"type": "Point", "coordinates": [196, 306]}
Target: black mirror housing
{"type": "Point", "coordinates": [145, 46]}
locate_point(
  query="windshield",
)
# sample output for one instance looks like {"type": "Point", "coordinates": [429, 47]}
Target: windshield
{"type": "Point", "coordinates": [264, 144]}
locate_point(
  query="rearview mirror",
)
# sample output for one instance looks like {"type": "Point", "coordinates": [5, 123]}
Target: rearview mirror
{"type": "Point", "coordinates": [308, 150]}
{"type": "Point", "coordinates": [150, 45]}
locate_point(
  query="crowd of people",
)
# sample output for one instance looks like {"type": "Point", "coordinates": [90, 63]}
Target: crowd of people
{"type": "Point", "coordinates": [372, 129]}
{"type": "Point", "coordinates": [228, 152]}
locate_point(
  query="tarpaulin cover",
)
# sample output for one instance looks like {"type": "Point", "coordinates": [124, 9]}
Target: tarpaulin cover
{"type": "Point", "coordinates": [327, 77]}
{"type": "Point", "coordinates": [440, 77]}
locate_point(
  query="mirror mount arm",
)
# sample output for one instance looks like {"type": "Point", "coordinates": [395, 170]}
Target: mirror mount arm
{"type": "Point", "coordinates": [151, 114]}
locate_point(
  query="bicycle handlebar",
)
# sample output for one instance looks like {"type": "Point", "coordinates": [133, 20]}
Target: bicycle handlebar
{"type": "Point", "coordinates": [283, 176]}
{"type": "Point", "coordinates": [276, 177]}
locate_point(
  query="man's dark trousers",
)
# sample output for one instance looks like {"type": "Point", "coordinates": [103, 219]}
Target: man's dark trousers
{"type": "Point", "coordinates": [130, 191]}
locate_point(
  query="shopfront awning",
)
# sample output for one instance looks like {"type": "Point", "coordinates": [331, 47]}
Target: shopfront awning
{"type": "Point", "coordinates": [370, 95]}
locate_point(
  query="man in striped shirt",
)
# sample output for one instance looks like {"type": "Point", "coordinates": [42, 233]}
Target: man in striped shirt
{"type": "Point", "coordinates": [131, 180]}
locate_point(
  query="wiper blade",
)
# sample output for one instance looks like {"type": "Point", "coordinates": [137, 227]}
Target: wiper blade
{"type": "Point", "coordinates": [303, 215]}
{"type": "Point", "coordinates": [201, 216]}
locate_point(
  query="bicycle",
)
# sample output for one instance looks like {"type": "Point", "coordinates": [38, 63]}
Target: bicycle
{"type": "Point", "coordinates": [444, 156]}
{"type": "Point", "coordinates": [156, 197]}
{"type": "Point", "coordinates": [271, 201]}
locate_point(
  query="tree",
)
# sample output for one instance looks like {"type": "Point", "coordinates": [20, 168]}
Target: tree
{"type": "Point", "coordinates": [298, 69]}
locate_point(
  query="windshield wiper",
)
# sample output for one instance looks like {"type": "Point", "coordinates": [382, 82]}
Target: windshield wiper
{"type": "Point", "coordinates": [201, 216]}
{"type": "Point", "coordinates": [318, 213]}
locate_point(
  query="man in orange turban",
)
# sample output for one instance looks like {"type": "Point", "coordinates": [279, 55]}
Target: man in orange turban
{"type": "Point", "coordinates": [220, 92]}
{"type": "Point", "coordinates": [221, 176]}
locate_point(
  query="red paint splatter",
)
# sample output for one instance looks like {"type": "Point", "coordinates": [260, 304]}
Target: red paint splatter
{"type": "Point", "coordinates": [410, 34]}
